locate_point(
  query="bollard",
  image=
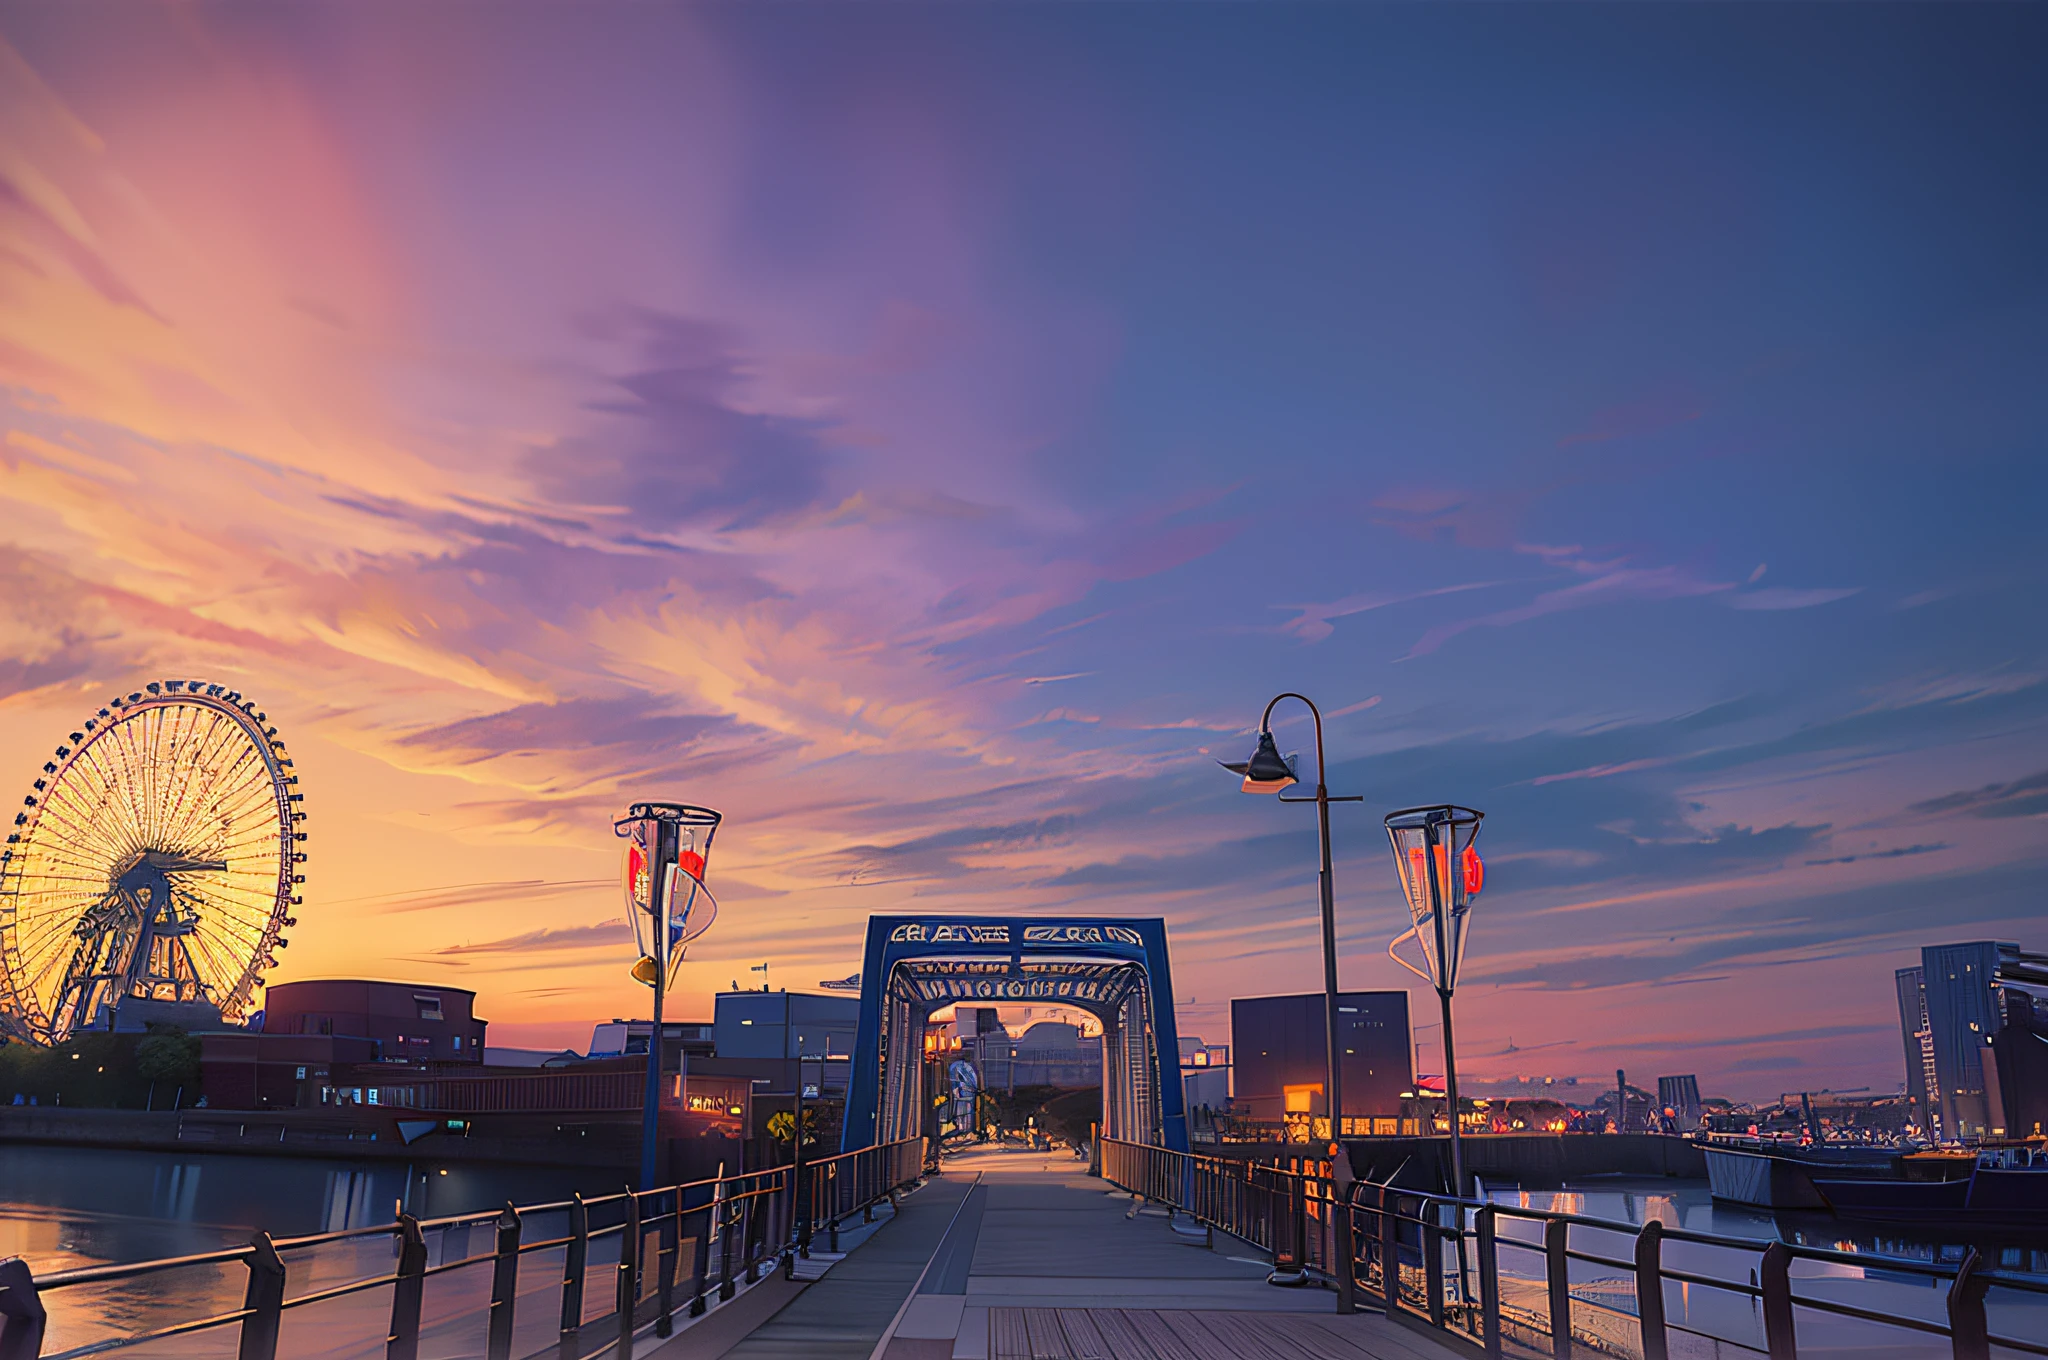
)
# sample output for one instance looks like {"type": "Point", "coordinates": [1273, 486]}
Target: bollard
{"type": "Point", "coordinates": [263, 1301]}
{"type": "Point", "coordinates": [407, 1289]}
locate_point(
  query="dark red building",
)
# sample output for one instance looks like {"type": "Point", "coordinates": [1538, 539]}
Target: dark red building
{"type": "Point", "coordinates": [404, 1021]}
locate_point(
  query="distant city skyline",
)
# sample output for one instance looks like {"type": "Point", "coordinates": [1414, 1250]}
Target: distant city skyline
{"type": "Point", "coordinates": [930, 435]}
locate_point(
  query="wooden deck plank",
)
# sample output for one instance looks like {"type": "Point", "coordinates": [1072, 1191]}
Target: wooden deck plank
{"type": "Point", "coordinates": [1255, 1338]}
{"type": "Point", "coordinates": [1164, 1341]}
{"type": "Point", "coordinates": [1048, 1341]}
{"type": "Point", "coordinates": [1307, 1338]}
{"type": "Point", "coordinates": [1195, 1333]}
{"type": "Point", "coordinates": [1084, 1339]}
{"type": "Point", "coordinates": [1121, 1335]}
{"type": "Point", "coordinates": [1007, 1338]}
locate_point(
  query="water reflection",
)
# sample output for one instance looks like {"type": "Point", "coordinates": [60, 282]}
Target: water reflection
{"type": "Point", "coordinates": [1689, 1205]}
{"type": "Point", "coordinates": [66, 1207]}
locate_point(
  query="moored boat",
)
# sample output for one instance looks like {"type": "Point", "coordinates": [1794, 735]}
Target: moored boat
{"type": "Point", "coordinates": [1781, 1176]}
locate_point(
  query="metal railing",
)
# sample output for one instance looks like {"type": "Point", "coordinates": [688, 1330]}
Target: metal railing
{"type": "Point", "coordinates": [1501, 1278]}
{"type": "Point", "coordinates": [729, 1228]}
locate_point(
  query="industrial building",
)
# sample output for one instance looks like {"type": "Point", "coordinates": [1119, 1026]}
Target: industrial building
{"type": "Point", "coordinates": [1281, 1066]}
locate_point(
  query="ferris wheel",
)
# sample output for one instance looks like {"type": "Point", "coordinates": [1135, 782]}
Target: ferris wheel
{"type": "Point", "coordinates": [155, 858]}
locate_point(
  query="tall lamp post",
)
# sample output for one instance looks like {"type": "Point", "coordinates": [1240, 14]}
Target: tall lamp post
{"type": "Point", "coordinates": [1440, 871]}
{"type": "Point", "coordinates": [667, 845]}
{"type": "Point", "coordinates": [1267, 771]}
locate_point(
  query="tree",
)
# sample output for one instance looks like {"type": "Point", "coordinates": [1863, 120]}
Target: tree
{"type": "Point", "coordinates": [167, 1054]}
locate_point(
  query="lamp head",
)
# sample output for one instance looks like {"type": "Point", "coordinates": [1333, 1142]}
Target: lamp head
{"type": "Point", "coordinates": [1267, 771]}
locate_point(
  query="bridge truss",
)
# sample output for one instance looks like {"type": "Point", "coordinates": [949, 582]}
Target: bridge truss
{"type": "Point", "coordinates": [1114, 969]}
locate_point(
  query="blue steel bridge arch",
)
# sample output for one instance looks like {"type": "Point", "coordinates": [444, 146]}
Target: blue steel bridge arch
{"type": "Point", "coordinates": [1112, 967]}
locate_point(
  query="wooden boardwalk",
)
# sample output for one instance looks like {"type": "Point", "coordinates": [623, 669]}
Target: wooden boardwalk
{"type": "Point", "coordinates": [1043, 1262]}
{"type": "Point", "coordinates": [1185, 1334]}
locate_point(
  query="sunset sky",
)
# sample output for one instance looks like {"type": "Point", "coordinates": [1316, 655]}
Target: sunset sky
{"type": "Point", "coordinates": [930, 435]}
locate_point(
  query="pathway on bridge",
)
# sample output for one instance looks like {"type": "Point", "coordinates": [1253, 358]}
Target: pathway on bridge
{"type": "Point", "coordinates": [1044, 1262]}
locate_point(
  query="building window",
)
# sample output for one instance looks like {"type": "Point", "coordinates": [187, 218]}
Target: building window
{"type": "Point", "coordinates": [302, 1075]}
{"type": "Point", "coordinates": [458, 1043]}
{"type": "Point", "coordinates": [430, 1006]}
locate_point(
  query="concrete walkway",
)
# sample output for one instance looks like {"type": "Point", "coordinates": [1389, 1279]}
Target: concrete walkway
{"type": "Point", "coordinates": [843, 1315]}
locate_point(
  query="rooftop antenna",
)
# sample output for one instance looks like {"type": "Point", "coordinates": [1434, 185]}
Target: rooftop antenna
{"type": "Point", "coordinates": [762, 969]}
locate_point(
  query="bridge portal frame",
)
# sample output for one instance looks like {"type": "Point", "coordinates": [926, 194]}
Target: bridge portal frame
{"type": "Point", "coordinates": [1117, 971]}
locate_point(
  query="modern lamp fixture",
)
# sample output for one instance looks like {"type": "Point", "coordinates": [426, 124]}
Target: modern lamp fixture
{"type": "Point", "coordinates": [1267, 771]}
{"type": "Point", "coordinates": [1437, 859]}
{"type": "Point", "coordinates": [667, 845]}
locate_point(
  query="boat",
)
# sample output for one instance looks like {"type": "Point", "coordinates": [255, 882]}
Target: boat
{"type": "Point", "coordinates": [1781, 1175]}
{"type": "Point", "coordinates": [2006, 1188]}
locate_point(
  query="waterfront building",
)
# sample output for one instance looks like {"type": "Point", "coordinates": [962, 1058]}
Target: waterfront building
{"type": "Point", "coordinates": [1923, 1083]}
{"type": "Point", "coordinates": [764, 1034]}
{"type": "Point", "coordinates": [1965, 1013]}
{"type": "Point", "coordinates": [1281, 1058]}
{"type": "Point", "coordinates": [628, 1038]}
{"type": "Point", "coordinates": [1055, 1053]}
{"type": "Point", "coordinates": [403, 1021]}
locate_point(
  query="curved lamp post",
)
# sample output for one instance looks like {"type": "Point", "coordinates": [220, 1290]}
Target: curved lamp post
{"type": "Point", "coordinates": [666, 900]}
{"type": "Point", "coordinates": [1267, 771]}
{"type": "Point", "coordinates": [1440, 871]}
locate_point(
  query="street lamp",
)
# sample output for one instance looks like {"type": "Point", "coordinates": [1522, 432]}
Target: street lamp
{"type": "Point", "coordinates": [1267, 771]}
{"type": "Point", "coordinates": [1440, 871]}
{"type": "Point", "coordinates": [667, 845]}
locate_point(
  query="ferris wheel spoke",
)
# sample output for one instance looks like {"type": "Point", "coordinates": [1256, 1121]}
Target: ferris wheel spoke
{"type": "Point", "coordinates": [202, 772]}
{"type": "Point", "coordinates": [106, 812]}
{"type": "Point", "coordinates": [193, 762]}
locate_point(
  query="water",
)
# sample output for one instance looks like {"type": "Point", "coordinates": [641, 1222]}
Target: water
{"type": "Point", "coordinates": [67, 1207]}
{"type": "Point", "coordinates": [1710, 1322]}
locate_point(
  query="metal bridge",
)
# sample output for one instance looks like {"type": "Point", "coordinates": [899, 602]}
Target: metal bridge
{"type": "Point", "coordinates": [1115, 969]}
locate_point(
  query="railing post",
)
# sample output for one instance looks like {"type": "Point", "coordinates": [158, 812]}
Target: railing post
{"type": "Point", "coordinates": [1346, 1264]}
{"type": "Point", "coordinates": [1489, 1283]}
{"type": "Point", "coordinates": [22, 1319]}
{"type": "Point", "coordinates": [1969, 1334]}
{"type": "Point", "coordinates": [1650, 1291]}
{"type": "Point", "coordinates": [1433, 1260]}
{"type": "Point", "coordinates": [628, 1289]}
{"type": "Point", "coordinates": [1390, 1248]}
{"type": "Point", "coordinates": [504, 1286]}
{"type": "Point", "coordinates": [263, 1301]}
{"type": "Point", "coordinates": [1776, 1280]}
{"type": "Point", "coordinates": [668, 1246]}
{"type": "Point", "coordinates": [573, 1258]}
{"type": "Point", "coordinates": [1557, 1274]}
{"type": "Point", "coordinates": [700, 1256]}
{"type": "Point", "coordinates": [722, 1209]}
{"type": "Point", "coordinates": [407, 1289]}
